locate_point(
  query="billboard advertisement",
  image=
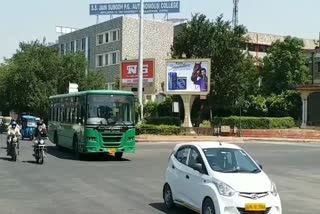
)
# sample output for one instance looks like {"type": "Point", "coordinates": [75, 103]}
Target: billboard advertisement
{"type": "Point", "coordinates": [130, 72]}
{"type": "Point", "coordinates": [189, 76]}
{"type": "Point", "coordinates": [134, 8]}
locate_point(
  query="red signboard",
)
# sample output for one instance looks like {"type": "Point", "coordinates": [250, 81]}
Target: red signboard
{"type": "Point", "coordinates": [130, 72]}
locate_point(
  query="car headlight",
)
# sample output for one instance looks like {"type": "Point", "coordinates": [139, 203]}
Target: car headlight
{"type": "Point", "coordinates": [224, 189]}
{"type": "Point", "coordinates": [273, 190]}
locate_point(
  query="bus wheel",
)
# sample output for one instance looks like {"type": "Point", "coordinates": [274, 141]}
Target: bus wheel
{"type": "Point", "coordinates": [75, 146]}
{"type": "Point", "coordinates": [56, 140]}
{"type": "Point", "coordinates": [118, 155]}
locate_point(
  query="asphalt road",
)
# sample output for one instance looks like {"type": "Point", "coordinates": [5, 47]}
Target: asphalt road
{"type": "Point", "coordinates": [102, 185]}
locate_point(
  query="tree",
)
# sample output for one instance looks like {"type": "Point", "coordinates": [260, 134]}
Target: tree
{"type": "Point", "coordinates": [3, 88]}
{"type": "Point", "coordinates": [32, 77]}
{"type": "Point", "coordinates": [284, 66]}
{"type": "Point", "coordinates": [233, 72]}
{"type": "Point", "coordinates": [36, 72]}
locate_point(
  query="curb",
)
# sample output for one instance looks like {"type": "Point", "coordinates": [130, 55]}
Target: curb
{"type": "Point", "coordinates": [224, 139]}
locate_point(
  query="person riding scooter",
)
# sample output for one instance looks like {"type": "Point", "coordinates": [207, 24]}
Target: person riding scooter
{"type": "Point", "coordinates": [13, 131]}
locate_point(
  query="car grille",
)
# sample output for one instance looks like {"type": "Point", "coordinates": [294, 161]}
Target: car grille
{"type": "Point", "coordinates": [253, 195]}
{"type": "Point", "coordinates": [242, 211]}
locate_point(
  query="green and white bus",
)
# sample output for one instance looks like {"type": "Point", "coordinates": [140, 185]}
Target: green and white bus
{"type": "Point", "coordinates": [97, 121]}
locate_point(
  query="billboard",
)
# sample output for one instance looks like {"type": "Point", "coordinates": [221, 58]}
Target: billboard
{"type": "Point", "coordinates": [130, 72]}
{"type": "Point", "coordinates": [134, 8]}
{"type": "Point", "coordinates": [189, 76]}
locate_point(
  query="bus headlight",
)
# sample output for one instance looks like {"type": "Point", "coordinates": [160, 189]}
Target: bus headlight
{"type": "Point", "coordinates": [130, 138]}
{"type": "Point", "coordinates": [91, 139]}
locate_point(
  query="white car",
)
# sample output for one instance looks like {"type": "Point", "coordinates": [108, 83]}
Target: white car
{"type": "Point", "coordinates": [218, 178]}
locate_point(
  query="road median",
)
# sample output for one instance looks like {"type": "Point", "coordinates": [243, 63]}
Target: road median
{"type": "Point", "coordinates": [181, 139]}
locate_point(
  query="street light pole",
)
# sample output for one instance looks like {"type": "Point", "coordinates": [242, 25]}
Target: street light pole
{"type": "Point", "coordinates": [140, 88]}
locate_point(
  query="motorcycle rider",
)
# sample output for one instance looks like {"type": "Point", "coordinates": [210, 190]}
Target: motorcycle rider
{"type": "Point", "coordinates": [16, 124]}
{"type": "Point", "coordinates": [13, 130]}
{"type": "Point", "coordinates": [41, 132]}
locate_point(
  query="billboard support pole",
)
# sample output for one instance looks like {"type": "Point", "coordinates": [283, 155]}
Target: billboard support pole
{"type": "Point", "coordinates": [188, 100]}
{"type": "Point", "coordinates": [141, 60]}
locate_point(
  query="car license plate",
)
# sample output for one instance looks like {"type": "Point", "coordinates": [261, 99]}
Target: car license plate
{"type": "Point", "coordinates": [112, 151]}
{"type": "Point", "coordinates": [255, 207]}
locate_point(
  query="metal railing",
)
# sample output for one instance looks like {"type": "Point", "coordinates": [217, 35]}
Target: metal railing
{"type": "Point", "coordinates": [199, 131]}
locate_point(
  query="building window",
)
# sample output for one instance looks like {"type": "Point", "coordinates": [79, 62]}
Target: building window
{"type": "Point", "coordinates": [263, 48]}
{"type": "Point", "coordinates": [72, 47]}
{"type": "Point", "coordinates": [106, 58]}
{"type": "Point", "coordinates": [62, 49]}
{"type": "Point", "coordinates": [107, 37]}
{"type": "Point", "coordinates": [99, 60]}
{"type": "Point", "coordinates": [100, 39]}
{"type": "Point", "coordinates": [77, 45]}
{"type": "Point", "coordinates": [252, 47]}
{"type": "Point", "coordinates": [67, 47]}
{"type": "Point", "coordinates": [83, 44]}
{"type": "Point", "coordinates": [115, 58]}
{"type": "Point", "coordinates": [115, 35]}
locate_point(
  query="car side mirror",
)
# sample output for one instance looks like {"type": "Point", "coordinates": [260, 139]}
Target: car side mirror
{"type": "Point", "coordinates": [260, 165]}
{"type": "Point", "coordinates": [198, 167]}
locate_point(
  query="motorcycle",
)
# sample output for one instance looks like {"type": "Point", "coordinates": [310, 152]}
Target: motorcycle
{"type": "Point", "coordinates": [40, 150]}
{"type": "Point", "coordinates": [13, 147]}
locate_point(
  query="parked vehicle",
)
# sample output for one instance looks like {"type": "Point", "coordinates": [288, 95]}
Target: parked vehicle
{"type": "Point", "coordinates": [40, 150]}
{"type": "Point", "coordinates": [29, 126]}
{"type": "Point", "coordinates": [218, 178]}
{"type": "Point", "coordinates": [5, 124]}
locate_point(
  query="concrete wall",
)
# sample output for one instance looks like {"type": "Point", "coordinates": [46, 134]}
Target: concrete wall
{"type": "Point", "coordinates": [158, 39]}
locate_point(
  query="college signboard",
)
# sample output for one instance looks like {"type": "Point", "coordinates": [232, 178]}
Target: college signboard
{"type": "Point", "coordinates": [190, 76]}
{"type": "Point", "coordinates": [134, 8]}
{"type": "Point", "coordinates": [130, 72]}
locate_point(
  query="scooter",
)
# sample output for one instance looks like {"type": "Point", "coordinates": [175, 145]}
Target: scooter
{"type": "Point", "coordinates": [13, 147]}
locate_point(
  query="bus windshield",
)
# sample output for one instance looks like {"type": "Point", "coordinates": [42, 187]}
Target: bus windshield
{"type": "Point", "coordinates": [119, 108]}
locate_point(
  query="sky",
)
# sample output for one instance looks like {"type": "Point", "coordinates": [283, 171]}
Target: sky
{"type": "Point", "coordinates": [35, 19]}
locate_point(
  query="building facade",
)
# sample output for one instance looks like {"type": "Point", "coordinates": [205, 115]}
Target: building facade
{"type": "Point", "coordinates": [260, 42]}
{"type": "Point", "coordinates": [109, 43]}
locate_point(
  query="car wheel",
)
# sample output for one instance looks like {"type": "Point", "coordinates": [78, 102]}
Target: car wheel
{"type": "Point", "coordinates": [208, 207]}
{"type": "Point", "coordinates": [167, 196]}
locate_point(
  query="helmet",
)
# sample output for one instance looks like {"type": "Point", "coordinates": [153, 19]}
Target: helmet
{"type": "Point", "coordinates": [13, 124]}
{"type": "Point", "coordinates": [40, 123]}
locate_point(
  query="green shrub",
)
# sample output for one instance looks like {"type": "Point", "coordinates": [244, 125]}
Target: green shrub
{"type": "Point", "coordinates": [150, 109]}
{"type": "Point", "coordinates": [255, 122]}
{"type": "Point", "coordinates": [157, 129]}
{"type": "Point", "coordinates": [205, 124]}
{"type": "Point", "coordinates": [162, 121]}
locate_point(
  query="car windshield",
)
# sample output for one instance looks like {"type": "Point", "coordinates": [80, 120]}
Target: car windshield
{"type": "Point", "coordinates": [228, 160]}
{"type": "Point", "coordinates": [116, 108]}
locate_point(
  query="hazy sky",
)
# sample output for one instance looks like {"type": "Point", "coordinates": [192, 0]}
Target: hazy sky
{"type": "Point", "coordinates": [22, 20]}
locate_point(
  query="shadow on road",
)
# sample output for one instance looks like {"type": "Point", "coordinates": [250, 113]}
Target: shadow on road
{"type": "Point", "coordinates": [69, 155]}
{"type": "Point", "coordinates": [6, 158]}
{"type": "Point", "coordinates": [31, 162]}
{"type": "Point", "coordinates": [177, 210]}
